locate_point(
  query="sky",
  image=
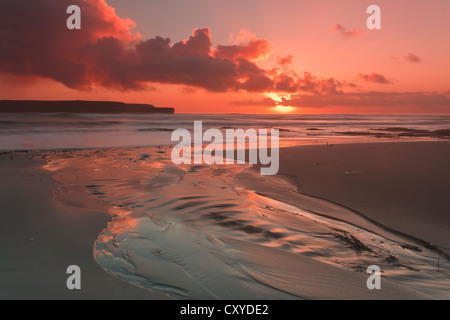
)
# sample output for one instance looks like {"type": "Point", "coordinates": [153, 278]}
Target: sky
{"type": "Point", "coordinates": [252, 56]}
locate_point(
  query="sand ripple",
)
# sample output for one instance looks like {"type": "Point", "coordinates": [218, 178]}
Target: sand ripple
{"type": "Point", "coordinates": [189, 231]}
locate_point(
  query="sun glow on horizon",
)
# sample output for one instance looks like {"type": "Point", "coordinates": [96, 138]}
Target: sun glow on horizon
{"type": "Point", "coordinates": [284, 109]}
{"type": "Point", "coordinates": [278, 99]}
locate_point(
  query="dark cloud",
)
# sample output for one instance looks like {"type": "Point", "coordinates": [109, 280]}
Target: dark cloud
{"type": "Point", "coordinates": [255, 49]}
{"type": "Point", "coordinates": [285, 60]}
{"type": "Point", "coordinates": [372, 99]}
{"type": "Point", "coordinates": [198, 44]}
{"type": "Point", "coordinates": [264, 102]}
{"type": "Point", "coordinates": [106, 52]}
{"type": "Point", "coordinates": [374, 77]}
{"type": "Point", "coordinates": [410, 57]}
{"type": "Point", "coordinates": [35, 40]}
{"type": "Point", "coordinates": [312, 84]}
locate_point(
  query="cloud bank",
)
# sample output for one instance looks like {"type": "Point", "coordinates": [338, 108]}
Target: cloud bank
{"type": "Point", "coordinates": [421, 99]}
{"type": "Point", "coordinates": [107, 52]}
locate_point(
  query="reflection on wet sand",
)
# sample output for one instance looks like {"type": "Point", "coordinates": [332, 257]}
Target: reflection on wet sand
{"type": "Point", "coordinates": [193, 231]}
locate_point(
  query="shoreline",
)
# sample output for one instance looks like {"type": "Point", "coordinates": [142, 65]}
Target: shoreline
{"type": "Point", "coordinates": [283, 145]}
{"type": "Point", "coordinates": [89, 214]}
{"type": "Point", "coordinates": [42, 237]}
{"type": "Point", "coordinates": [400, 183]}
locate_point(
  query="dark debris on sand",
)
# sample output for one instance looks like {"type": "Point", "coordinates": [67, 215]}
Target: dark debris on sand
{"type": "Point", "coordinates": [353, 242]}
{"type": "Point", "coordinates": [397, 132]}
{"type": "Point", "coordinates": [411, 247]}
{"type": "Point", "coordinates": [409, 132]}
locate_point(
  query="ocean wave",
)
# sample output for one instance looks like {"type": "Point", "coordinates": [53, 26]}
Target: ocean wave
{"type": "Point", "coordinates": [144, 130]}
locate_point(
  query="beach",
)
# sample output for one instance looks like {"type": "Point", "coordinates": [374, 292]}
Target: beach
{"type": "Point", "coordinates": [42, 237]}
{"type": "Point", "coordinates": [403, 186]}
{"type": "Point", "coordinates": [140, 227]}
{"type": "Point", "coordinates": [239, 151]}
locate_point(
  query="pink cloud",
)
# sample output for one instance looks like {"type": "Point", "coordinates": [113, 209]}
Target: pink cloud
{"type": "Point", "coordinates": [346, 33]}
{"type": "Point", "coordinates": [254, 49]}
{"type": "Point", "coordinates": [107, 52]}
{"type": "Point", "coordinates": [285, 60]}
{"type": "Point", "coordinates": [410, 57]}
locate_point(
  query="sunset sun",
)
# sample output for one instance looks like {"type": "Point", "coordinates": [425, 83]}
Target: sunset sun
{"type": "Point", "coordinates": [284, 109]}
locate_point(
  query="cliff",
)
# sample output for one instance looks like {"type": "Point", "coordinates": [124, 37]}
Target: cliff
{"type": "Point", "coordinates": [77, 106]}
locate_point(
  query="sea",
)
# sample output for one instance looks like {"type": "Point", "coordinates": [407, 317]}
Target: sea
{"type": "Point", "coordinates": [85, 131]}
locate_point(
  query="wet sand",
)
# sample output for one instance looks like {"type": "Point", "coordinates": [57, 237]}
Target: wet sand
{"type": "Point", "coordinates": [403, 186]}
{"type": "Point", "coordinates": [200, 232]}
{"type": "Point", "coordinates": [41, 237]}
